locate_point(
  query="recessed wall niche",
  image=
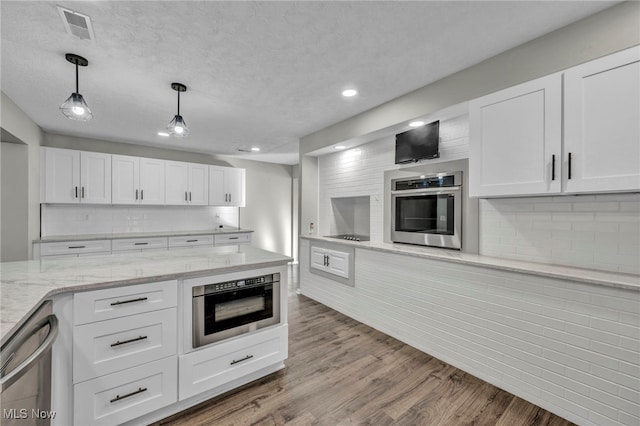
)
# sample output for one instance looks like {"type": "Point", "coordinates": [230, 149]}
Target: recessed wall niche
{"type": "Point", "coordinates": [351, 215]}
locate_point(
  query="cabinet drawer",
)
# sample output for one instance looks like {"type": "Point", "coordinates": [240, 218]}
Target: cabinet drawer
{"type": "Point", "coordinates": [117, 302]}
{"type": "Point", "coordinates": [222, 363]}
{"type": "Point", "coordinates": [229, 239]}
{"type": "Point", "coordinates": [138, 244]}
{"type": "Point", "coordinates": [105, 347]}
{"type": "Point", "coordinates": [191, 241]}
{"type": "Point", "coordinates": [75, 247]}
{"type": "Point", "coordinates": [119, 397]}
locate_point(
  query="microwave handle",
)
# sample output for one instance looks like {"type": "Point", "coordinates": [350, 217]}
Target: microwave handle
{"type": "Point", "coordinates": [427, 191]}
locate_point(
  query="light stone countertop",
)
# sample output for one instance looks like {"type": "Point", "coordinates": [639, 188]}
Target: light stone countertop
{"type": "Point", "coordinates": [610, 279]}
{"type": "Point", "coordinates": [117, 236]}
{"type": "Point", "coordinates": [24, 285]}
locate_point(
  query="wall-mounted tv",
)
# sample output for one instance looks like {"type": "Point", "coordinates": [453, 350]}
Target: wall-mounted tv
{"type": "Point", "coordinates": [418, 144]}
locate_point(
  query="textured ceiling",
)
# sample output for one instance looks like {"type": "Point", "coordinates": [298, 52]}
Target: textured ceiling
{"type": "Point", "coordinates": [259, 73]}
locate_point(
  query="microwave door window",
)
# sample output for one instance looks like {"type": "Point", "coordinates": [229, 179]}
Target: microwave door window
{"type": "Point", "coordinates": [428, 214]}
{"type": "Point", "coordinates": [239, 308]}
{"type": "Point", "coordinates": [226, 310]}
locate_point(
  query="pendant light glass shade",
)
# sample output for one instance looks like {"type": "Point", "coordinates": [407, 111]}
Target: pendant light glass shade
{"type": "Point", "coordinates": [75, 108]}
{"type": "Point", "coordinates": [177, 127]}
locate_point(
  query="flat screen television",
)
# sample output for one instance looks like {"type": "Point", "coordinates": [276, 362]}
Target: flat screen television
{"type": "Point", "coordinates": [418, 144]}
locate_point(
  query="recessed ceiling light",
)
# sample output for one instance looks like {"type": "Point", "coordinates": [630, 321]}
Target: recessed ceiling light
{"type": "Point", "coordinates": [416, 123]}
{"type": "Point", "coordinates": [349, 93]}
{"type": "Point", "coordinates": [255, 149]}
{"type": "Point", "coordinates": [340, 147]}
{"type": "Point", "coordinates": [165, 134]}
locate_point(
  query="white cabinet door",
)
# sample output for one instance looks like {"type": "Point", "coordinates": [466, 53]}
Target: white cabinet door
{"type": "Point", "coordinates": [125, 182]}
{"type": "Point", "coordinates": [198, 184]}
{"type": "Point", "coordinates": [152, 181]}
{"type": "Point", "coordinates": [235, 186]}
{"type": "Point", "coordinates": [95, 178]}
{"type": "Point", "coordinates": [318, 258]}
{"type": "Point", "coordinates": [176, 183]}
{"type": "Point", "coordinates": [338, 263]}
{"type": "Point", "coordinates": [515, 140]}
{"type": "Point", "coordinates": [217, 190]}
{"type": "Point", "coordinates": [601, 130]}
{"type": "Point", "coordinates": [61, 176]}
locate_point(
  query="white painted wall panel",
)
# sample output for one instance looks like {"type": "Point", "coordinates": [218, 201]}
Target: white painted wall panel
{"type": "Point", "coordinates": [570, 347]}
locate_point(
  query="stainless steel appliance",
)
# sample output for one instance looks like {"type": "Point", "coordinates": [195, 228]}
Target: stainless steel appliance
{"type": "Point", "coordinates": [230, 308]}
{"type": "Point", "coordinates": [25, 371]}
{"type": "Point", "coordinates": [427, 210]}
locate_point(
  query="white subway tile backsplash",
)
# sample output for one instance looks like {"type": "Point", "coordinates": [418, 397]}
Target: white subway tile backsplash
{"type": "Point", "coordinates": [78, 220]}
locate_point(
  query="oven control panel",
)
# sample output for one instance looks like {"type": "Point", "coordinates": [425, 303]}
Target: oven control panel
{"type": "Point", "coordinates": [232, 285]}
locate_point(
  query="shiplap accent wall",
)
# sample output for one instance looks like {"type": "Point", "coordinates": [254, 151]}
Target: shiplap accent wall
{"type": "Point", "coordinates": [107, 219]}
{"type": "Point", "coordinates": [589, 231]}
{"type": "Point", "coordinates": [569, 347]}
{"type": "Point", "coordinates": [360, 171]}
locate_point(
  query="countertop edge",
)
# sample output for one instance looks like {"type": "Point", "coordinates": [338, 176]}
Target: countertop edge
{"type": "Point", "coordinates": [589, 276]}
{"type": "Point", "coordinates": [133, 235]}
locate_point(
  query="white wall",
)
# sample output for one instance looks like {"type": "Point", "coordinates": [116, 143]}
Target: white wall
{"type": "Point", "coordinates": [14, 121]}
{"type": "Point", "coordinates": [14, 224]}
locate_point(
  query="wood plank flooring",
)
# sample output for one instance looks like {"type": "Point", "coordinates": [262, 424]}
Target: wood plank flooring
{"type": "Point", "coordinates": [341, 372]}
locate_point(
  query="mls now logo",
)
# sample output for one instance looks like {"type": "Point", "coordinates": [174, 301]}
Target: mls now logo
{"type": "Point", "coordinates": [23, 413]}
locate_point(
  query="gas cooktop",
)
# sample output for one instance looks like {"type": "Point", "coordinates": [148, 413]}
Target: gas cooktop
{"type": "Point", "coordinates": [350, 237]}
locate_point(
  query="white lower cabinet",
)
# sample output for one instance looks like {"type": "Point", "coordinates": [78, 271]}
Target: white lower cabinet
{"type": "Point", "coordinates": [214, 366]}
{"type": "Point", "coordinates": [191, 241]}
{"type": "Point", "coordinates": [232, 239]}
{"type": "Point", "coordinates": [119, 397]}
{"type": "Point", "coordinates": [138, 244]}
{"type": "Point", "coordinates": [105, 347]}
{"type": "Point", "coordinates": [330, 261]}
{"type": "Point", "coordinates": [73, 248]}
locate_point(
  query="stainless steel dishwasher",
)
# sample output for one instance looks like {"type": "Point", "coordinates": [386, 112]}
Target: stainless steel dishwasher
{"type": "Point", "coordinates": [25, 371]}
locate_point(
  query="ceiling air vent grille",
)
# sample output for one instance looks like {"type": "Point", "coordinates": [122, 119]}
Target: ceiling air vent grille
{"type": "Point", "coordinates": [77, 24]}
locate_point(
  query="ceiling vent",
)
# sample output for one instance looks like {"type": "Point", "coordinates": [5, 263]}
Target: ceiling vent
{"type": "Point", "coordinates": [77, 24]}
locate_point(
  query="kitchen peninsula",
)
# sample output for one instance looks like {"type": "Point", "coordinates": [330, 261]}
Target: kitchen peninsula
{"type": "Point", "coordinates": [91, 298]}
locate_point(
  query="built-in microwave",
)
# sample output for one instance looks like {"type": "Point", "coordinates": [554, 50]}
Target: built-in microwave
{"type": "Point", "coordinates": [226, 309]}
{"type": "Point", "coordinates": [427, 210]}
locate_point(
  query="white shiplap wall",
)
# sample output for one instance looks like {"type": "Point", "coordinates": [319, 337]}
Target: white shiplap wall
{"type": "Point", "coordinates": [590, 231]}
{"type": "Point", "coordinates": [569, 347]}
{"type": "Point", "coordinates": [360, 171]}
{"type": "Point", "coordinates": [97, 219]}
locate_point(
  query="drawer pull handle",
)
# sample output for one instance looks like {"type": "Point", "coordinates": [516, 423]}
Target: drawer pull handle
{"type": "Point", "coordinates": [77, 247]}
{"type": "Point", "coordinates": [140, 244]}
{"type": "Point", "coordinates": [140, 299]}
{"type": "Point", "coordinates": [240, 360]}
{"type": "Point", "coordinates": [192, 241]}
{"type": "Point", "coordinates": [234, 238]}
{"type": "Point", "coordinates": [118, 397]}
{"type": "Point", "coordinates": [124, 342]}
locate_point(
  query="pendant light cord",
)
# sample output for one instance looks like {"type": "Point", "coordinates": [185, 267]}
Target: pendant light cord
{"type": "Point", "coordinates": [77, 76]}
{"type": "Point", "coordinates": [178, 102]}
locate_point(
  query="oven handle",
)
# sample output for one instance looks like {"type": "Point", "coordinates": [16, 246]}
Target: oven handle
{"type": "Point", "coordinates": [430, 191]}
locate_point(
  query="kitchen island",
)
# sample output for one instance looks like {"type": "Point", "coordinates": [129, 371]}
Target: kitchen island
{"type": "Point", "coordinates": [79, 288]}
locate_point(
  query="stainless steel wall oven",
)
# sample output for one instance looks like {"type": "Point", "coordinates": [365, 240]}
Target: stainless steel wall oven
{"type": "Point", "coordinates": [427, 210]}
{"type": "Point", "coordinates": [227, 309]}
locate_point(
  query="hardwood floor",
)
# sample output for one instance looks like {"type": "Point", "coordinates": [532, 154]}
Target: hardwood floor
{"type": "Point", "coordinates": [342, 372]}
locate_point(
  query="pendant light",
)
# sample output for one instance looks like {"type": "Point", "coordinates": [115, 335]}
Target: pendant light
{"type": "Point", "coordinates": [177, 127]}
{"type": "Point", "coordinates": [75, 108]}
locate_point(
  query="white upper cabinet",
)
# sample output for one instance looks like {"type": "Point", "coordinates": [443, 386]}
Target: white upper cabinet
{"type": "Point", "coordinates": [75, 176]}
{"type": "Point", "coordinates": [515, 140]}
{"type": "Point", "coordinates": [226, 186]}
{"type": "Point", "coordinates": [137, 180]}
{"type": "Point", "coordinates": [187, 183]}
{"type": "Point", "coordinates": [601, 124]}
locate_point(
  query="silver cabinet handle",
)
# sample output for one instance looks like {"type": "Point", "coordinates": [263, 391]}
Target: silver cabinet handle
{"type": "Point", "coordinates": [240, 360]}
{"type": "Point", "coordinates": [83, 192]}
{"type": "Point", "coordinates": [142, 194]}
{"type": "Point", "coordinates": [118, 397]}
{"type": "Point", "coordinates": [189, 195]}
{"type": "Point", "coordinates": [136, 195]}
{"type": "Point", "coordinates": [76, 192]}
{"type": "Point", "coordinates": [139, 299]}
{"type": "Point", "coordinates": [192, 241]}
{"type": "Point", "coordinates": [21, 337]}
{"type": "Point", "coordinates": [124, 342]}
{"type": "Point", "coordinates": [77, 247]}
{"type": "Point", "coordinates": [229, 197]}
{"type": "Point", "coordinates": [140, 244]}
{"type": "Point", "coordinates": [234, 238]}
{"type": "Point", "coordinates": [186, 197]}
